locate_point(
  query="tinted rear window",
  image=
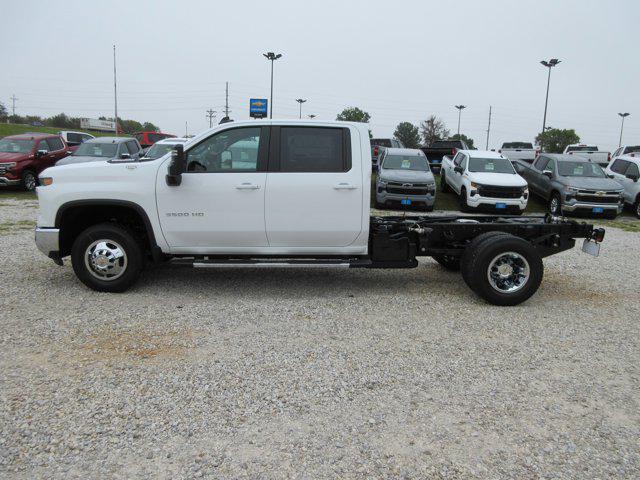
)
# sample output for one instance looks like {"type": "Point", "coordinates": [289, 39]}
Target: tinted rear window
{"type": "Point", "coordinates": [583, 148]}
{"type": "Point", "coordinates": [517, 145]}
{"type": "Point", "coordinates": [304, 149]}
{"type": "Point", "coordinates": [447, 144]}
{"type": "Point", "coordinates": [381, 142]}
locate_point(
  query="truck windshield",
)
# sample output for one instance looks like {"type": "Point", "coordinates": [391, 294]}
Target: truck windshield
{"type": "Point", "coordinates": [8, 145]}
{"type": "Point", "coordinates": [631, 149]}
{"type": "Point", "coordinates": [582, 148]}
{"type": "Point", "coordinates": [491, 165]}
{"type": "Point", "coordinates": [517, 145]}
{"type": "Point", "coordinates": [580, 169]}
{"type": "Point", "coordinates": [405, 162]}
{"type": "Point", "coordinates": [158, 150]}
{"type": "Point", "coordinates": [97, 150]}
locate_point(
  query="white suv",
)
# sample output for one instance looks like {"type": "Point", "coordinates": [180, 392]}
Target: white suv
{"type": "Point", "coordinates": [484, 179]}
{"type": "Point", "coordinates": [625, 169]}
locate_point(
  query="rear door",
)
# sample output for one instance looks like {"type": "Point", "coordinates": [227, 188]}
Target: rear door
{"type": "Point", "coordinates": [534, 175]}
{"type": "Point", "coordinates": [314, 190]}
{"type": "Point", "coordinates": [57, 150]}
{"type": "Point", "coordinates": [220, 202]}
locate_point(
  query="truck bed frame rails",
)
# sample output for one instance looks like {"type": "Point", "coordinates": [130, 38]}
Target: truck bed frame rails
{"type": "Point", "coordinates": [398, 240]}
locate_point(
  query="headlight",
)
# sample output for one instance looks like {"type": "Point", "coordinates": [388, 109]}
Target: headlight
{"type": "Point", "coordinates": [570, 190]}
{"type": "Point", "coordinates": [45, 181]}
{"type": "Point", "coordinates": [8, 165]}
{"type": "Point", "coordinates": [475, 185]}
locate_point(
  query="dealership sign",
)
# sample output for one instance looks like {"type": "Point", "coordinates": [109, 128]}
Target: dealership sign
{"type": "Point", "coordinates": [258, 107]}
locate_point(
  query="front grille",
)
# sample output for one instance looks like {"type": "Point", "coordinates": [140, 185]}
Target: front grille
{"type": "Point", "coordinates": [409, 188]}
{"type": "Point", "coordinates": [500, 192]}
{"type": "Point", "coordinates": [590, 196]}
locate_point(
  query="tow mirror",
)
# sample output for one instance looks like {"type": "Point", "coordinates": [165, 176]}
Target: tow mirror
{"type": "Point", "coordinates": [125, 156]}
{"type": "Point", "coordinates": [548, 173]}
{"type": "Point", "coordinates": [41, 153]}
{"type": "Point", "coordinates": [177, 166]}
{"type": "Point", "coordinates": [459, 169]}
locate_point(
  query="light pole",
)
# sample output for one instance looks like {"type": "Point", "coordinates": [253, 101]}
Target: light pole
{"type": "Point", "coordinates": [460, 108]}
{"type": "Point", "coordinates": [300, 101]}
{"type": "Point", "coordinates": [623, 115]}
{"type": "Point", "coordinates": [550, 64]}
{"type": "Point", "coordinates": [271, 56]}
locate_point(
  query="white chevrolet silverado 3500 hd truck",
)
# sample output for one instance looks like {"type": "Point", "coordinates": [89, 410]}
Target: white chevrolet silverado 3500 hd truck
{"type": "Point", "coordinates": [276, 194]}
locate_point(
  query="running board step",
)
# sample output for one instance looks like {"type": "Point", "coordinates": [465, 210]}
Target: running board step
{"type": "Point", "coordinates": [281, 263]}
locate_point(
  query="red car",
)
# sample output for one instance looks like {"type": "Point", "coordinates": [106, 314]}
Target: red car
{"type": "Point", "coordinates": [147, 139]}
{"type": "Point", "coordinates": [24, 156]}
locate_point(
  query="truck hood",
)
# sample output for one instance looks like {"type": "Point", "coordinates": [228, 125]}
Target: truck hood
{"type": "Point", "coordinates": [591, 183]}
{"type": "Point", "coordinates": [497, 179]}
{"type": "Point", "coordinates": [411, 176]}
{"type": "Point", "coordinates": [72, 159]}
{"type": "Point", "coordinates": [13, 157]}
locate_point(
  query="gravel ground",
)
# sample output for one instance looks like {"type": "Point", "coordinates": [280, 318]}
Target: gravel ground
{"type": "Point", "coordinates": [317, 373]}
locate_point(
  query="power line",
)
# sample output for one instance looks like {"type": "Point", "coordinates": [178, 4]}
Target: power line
{"type": "Point", "coordinates": [488, 129]}
{"type": "Point", "coordinates": [211, 114]}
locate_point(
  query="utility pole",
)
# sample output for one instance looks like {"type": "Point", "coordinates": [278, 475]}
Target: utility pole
{"type": "Point", "coordinates": [13, 104]}
{"type": "Point", "coordinates": [210, 114]}
{"type": "Point", "coordinates": [300, 101]}
{"type": "Point", "coordinates": [272, 57]}
{"type": "Point", "coordinates": [186, 130]}
{"type": "Point", "coordinates": [460, 108]}
{"type": "Point", "coordinates": [488, 129]}
{"type": "Point", "coordinates": [115, 90]}
{"type": "Point", "coordinates": [623, 115]}
{"type": "Point", "coordinates": [550, 64]}
{"type": "Point", "coordinates": [226, 100]}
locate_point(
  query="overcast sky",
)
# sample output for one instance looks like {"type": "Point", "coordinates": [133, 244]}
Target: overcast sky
{"type": "Point", "coordinates": [398, 60]}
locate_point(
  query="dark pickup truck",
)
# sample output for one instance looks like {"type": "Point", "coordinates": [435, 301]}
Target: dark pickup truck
{"type": "Point", "coordinates": [439, 149]}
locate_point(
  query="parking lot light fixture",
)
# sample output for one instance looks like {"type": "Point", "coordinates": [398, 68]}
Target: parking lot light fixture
{"type": "Point", "coordinates": [460, 108]}
{"type": "Point", "coordinates": [300, 101]}
{"type": "Point", "coordinates": [550, 64]}
{"type": "Point", "coordinates": [623, 115]}
{"type": "Point", "coordinates": [272, 57]}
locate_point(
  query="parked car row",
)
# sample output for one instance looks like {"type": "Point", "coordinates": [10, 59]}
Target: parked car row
{"type": "Point", "coordinates": [24, 156]}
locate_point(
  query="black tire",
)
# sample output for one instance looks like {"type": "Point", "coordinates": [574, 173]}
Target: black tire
{"type": "Point", "coordinates": [517, 255]}
{"type": "Point", "coordinates": [96, 277]}
{"type": "Point", "coordinates": [636, 207]}
{"type": "Point", "coordinates": [378, 205]}
{"type": "Point", "coordinates": [555, 204]}
{"type": "Point", "coordinates": [448, 262]}
{"type": "Point", "coordinates": [470, 251]}
{"type": "Point", "coordinates": [464, 207]}
{"type": "Point", "coordinates": [444, 188]}
{"type": "Point", "coordinates": [611, 214]}
{"type": "Point", "coordinates": [29, 180]}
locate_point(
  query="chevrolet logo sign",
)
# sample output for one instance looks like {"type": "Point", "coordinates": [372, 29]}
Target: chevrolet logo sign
{"type": "Point", "coordinates": [601, 193]}
{"type": "Point", "coordinates": [407, 184]}
{"type": "Point", "coordinates": [257, 104]}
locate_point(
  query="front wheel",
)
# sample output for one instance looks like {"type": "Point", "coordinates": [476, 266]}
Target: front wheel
{"type": "Point", "coordinates": [637, 207]}
{"type": "Point", "coordinates": [505, 270]}
{"type": "Point", "coordinates": [555, 204]}
{"type": "Point", "coordinates": [107, 258]}
{"type": "Point", "coordinates": [444, 188]}
{"type": "Point", "coordinates": [29, 181]}
{"type": "Point", "coordinates": [464, 206]}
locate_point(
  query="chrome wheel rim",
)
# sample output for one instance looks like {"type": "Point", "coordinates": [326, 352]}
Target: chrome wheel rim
{"type": "Point", "coordinates": [554, 205]}
{"type": "Point", "coordinates": [105, 259]}
{"type": "Point", "coordinates": [638, 209]}
{"type": "Point", "coordinates": [29, 181]}
{"type": "Point", "coordinates": [508, 272]}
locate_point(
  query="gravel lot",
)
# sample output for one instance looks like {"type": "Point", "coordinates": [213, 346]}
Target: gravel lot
{"type": "Point", "coordinates": [317, 373]}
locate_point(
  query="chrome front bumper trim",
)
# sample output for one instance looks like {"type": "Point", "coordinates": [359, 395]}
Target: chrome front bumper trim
{"type": "Point", "coordinates": [48, 240]}
{"type": "Point", "coordinates": [8, 181]}
{"type": "Point", "coordinates": [606, 206]}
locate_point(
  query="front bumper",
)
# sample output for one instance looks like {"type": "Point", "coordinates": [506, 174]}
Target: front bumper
{"type": "Point", "coordinates": [477, 201]}
{"type": "Point", "coordinates": [572, 207]}
{"type": "Point", "coordinates": [48, 241]}
{"type": "Point", "coordinates": [8, 182]}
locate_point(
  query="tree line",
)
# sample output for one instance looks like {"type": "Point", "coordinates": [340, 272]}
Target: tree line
{"type": "Point", "coordinates": [553, 140]}
{"type": "Point", "coordinates": [62, 120]}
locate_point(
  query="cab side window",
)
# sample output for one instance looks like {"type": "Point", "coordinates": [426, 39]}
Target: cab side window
{"type": "Point", "coordinates": [55, 143]}
{"type": "Point", "coordinates": [43, 146]}
{"type": "Point", "coordinates": [541, 163]}
{"type": "Point", "coordinates": [632, 170]}
{"type": "Point", "coordinates": [234, 150]}
{"type": "Point", "coordinates": [457, 159]}
{"type": "Point", "coordinates": [463, 163]}
{"type": "Point", "coordinates": [619, 166]}
{"type": "Point", "coordinates": [314, 149]}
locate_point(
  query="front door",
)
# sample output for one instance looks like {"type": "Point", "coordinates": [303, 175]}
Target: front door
{"type": "Point", "coordinates": [314, 194]}
{"type": "Point", "coordinates": [220, 202]}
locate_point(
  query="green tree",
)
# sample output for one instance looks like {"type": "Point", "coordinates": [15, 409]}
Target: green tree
{"type": "Point", "coordinates": [353, 114]}
{"type": "Point", "coordinates": [555, 140]}
{"type": "Point", "coordinates": [433, 129]}
{"type": "Point", "coordinates": [150, 127]}
{"type": "Point", "coordinates": [465, 139]}
{"type": "Point", "coordinates": [408, 134]}
{"type": "Point", "coordinates": [3, 111]}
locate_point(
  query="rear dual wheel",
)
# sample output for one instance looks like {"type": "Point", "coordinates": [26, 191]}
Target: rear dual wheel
{"type": "Point", "coordinates": [502, 268]}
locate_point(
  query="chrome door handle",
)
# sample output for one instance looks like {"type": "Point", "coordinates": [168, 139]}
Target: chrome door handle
{"type": "Point", "coordinates": [345, 186]}
{"type": "Point", "coordinates": [247, 186]}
